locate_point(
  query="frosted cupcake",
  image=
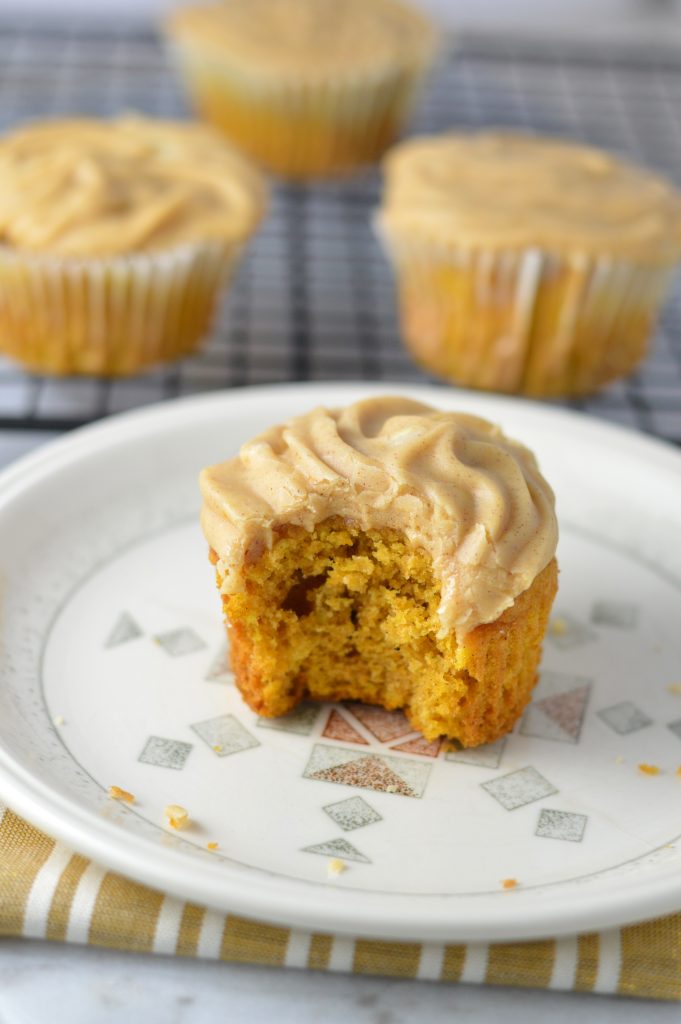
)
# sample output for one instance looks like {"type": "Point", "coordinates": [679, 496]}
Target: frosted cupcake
{"type": "Point", "coordinates": [307, 87]}
{"type": "Point", "coordinates": [388, 553]}
{"type": "Point", "coordinates": [115, 240]}
{"type": "Point", "coordinates": [526, 265]}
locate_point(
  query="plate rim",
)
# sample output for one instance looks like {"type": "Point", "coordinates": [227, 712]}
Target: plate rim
{"type": "Point", "coordinates": [107, 844]}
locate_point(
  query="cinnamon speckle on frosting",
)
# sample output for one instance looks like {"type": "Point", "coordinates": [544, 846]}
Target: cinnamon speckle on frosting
{"type": "Point", "coordinates": [452, 483]}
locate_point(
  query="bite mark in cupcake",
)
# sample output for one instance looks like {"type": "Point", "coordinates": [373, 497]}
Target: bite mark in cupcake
{"type": "Point", "coordinates": [387, 553]}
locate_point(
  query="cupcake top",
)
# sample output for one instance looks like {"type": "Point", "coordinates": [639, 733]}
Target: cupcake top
{"type": "Point", "coordinates": [508, 191]}
{"type": "Point", "coordinates": [87, 188]}
{"type": "Point", "coordinates": [453, 484]}
{"type": "Point", "coordinates": [308, 37]}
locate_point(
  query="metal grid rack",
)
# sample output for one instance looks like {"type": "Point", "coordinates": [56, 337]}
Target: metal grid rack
{"type": "Point", "coordinates": [314, 297]}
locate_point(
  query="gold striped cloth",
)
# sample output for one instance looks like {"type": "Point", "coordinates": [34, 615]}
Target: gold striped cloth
{"type": "Point", "coordinates": [49, 892]}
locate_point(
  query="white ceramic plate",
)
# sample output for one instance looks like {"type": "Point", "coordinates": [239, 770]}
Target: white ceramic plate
{"type": "Point", "coordinates": [111, 627]}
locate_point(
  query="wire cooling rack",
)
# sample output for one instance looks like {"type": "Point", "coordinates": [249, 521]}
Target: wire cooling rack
{"type": "Point", "coordinates": [314, 297]}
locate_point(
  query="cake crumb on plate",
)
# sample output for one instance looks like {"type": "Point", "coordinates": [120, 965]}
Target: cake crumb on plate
{"type": "Point", "coordinates": [649, 769]}
{"type": "Point", "coordinates": [178, 817]}
{"type": "Point", "coordinates": [336, 866]}
{"type": "Point", "coordinates": [509, 883]}
{"type": "Point", "coordinates": [116, 793]}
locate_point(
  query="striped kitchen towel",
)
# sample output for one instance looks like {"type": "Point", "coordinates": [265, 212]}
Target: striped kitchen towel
{"type": "Point", "coordinates": [49, 892]}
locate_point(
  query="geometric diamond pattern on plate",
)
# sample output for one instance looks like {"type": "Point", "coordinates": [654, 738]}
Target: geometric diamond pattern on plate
{"type": "Point", "coordinates": [338, 848]}
{"type": "Point", "coordinates": [561, 825]}
{"type": "Point", "coordinates": [219, 667]}
{"type": "Point", "coordinates": [675, 727]}
{"type": "Point", "coordinates": [177, 642]}
{"type": "Point", "coordinates": [338, 728]}
{"type": "Point", "coordinates": [300, 720]}
{"type": "Point", "coordinates": [566, 632]}
{"type": "Point", "coordinates": [487, 756]}
{"type": "Point", "coordinates": [125, 629]}
{"type": "Point", "coordinates": [225, 735]}
{"type": "Point", "coordinates": [165, 753]}
{"type": "Point", "coordinates": [384, 725]}
{"type": "Point", "coordinates": [367, 771]}
{"type": "Point", "coordinates": [619, 614]}
{"type": "Point", "coordinates": [557, 711]}
{"type": "Point", "coordinates": [420, 745]}
{"type": "Point", "coordinates": [519, 788]}
{"type": "Point", "coordinates": [624, 718]}
{"type": "Point", "coordinates": [352, 813]}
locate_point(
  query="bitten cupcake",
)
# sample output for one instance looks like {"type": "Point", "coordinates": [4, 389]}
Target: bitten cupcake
{"type": "Point", "coordinates": [115, 239]}
{"type": "Point", "coordinates": [527, 265]}
{"type": "Point", "coordinates": [307, 87]}
{"type": "Point", "coordinates": [387, 553]}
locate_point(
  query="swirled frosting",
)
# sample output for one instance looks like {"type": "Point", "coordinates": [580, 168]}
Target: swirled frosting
{"type": "Point", "coordinates": [505, 191]}
{"type": "Point", "coordinates": [299, 37]}
{"type": "Point", "coordinates": [453, 484]}
{"type": "Point", "coordinates": [85, 187]}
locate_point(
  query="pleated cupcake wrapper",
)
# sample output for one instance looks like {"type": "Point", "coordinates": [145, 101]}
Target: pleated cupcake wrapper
{"type": "Point", "coordinates": [109, 315]}
{"type": "Point", "coordinates": [601, 318]}
{"type": "Point", "coordinates": [307, 126]}
{"type": "Point", "coordinates": [49, 892]}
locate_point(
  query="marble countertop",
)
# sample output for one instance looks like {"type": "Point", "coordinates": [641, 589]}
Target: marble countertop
{"type": "Point", "coordinates": [47, 983]}
{"type": "Point", "coordinates": [43, 984]}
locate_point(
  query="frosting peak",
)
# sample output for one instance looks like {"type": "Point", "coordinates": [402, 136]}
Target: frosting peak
{"type": "Point", "coordinates": [453, 484]}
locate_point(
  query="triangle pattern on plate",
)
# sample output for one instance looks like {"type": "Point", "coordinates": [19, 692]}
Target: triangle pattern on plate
{"type": "Point", "coordinates": [368, 772]}
{"type": "Point", "coordinates": [558, 717]}
{"type": "Point", "coordinates": [420, 745]}
{"type": "Point", "coordinates": [125, 629]}
{"type": "Point", "coordinates": [338, 848]}
{"type": "Point", "coordinates": [220, 666]}
{"type": "Point", "coordinates": [338, 728]}
{"type": "Point", "coordinates": [384, 725]}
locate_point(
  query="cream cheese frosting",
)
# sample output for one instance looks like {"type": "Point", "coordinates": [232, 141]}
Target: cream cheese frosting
{"type": "Point", "coordinates": [453, 484]}
{"type": "Point", "coordinates": [84, 187]}
{"type": "Point", "coordinates": [506, 190]}
{"type": "Point", "coordinates": [318, 37]}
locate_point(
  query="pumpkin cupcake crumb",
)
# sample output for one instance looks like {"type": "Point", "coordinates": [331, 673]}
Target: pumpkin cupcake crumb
{"type": "Point", "coordinates": [178, 816]}
{"type": "Point", "coordinates": [116, 793]}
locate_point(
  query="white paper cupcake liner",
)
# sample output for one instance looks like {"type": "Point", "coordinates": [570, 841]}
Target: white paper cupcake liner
{"type": "Point", "coordinates": [109, 316]}
{"type": "Point", "coordinates": [526, 322]}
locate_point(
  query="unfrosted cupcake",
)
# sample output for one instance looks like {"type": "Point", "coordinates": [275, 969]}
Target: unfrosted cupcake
{"type": "Point", "coordinates": [307, 87]}
{"type": "Point", "coordinates": [526, 265]}
{"type": "Point", "coordinates": [115, 239]}
{"type": "Point", "coordinates": [387, 553]}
